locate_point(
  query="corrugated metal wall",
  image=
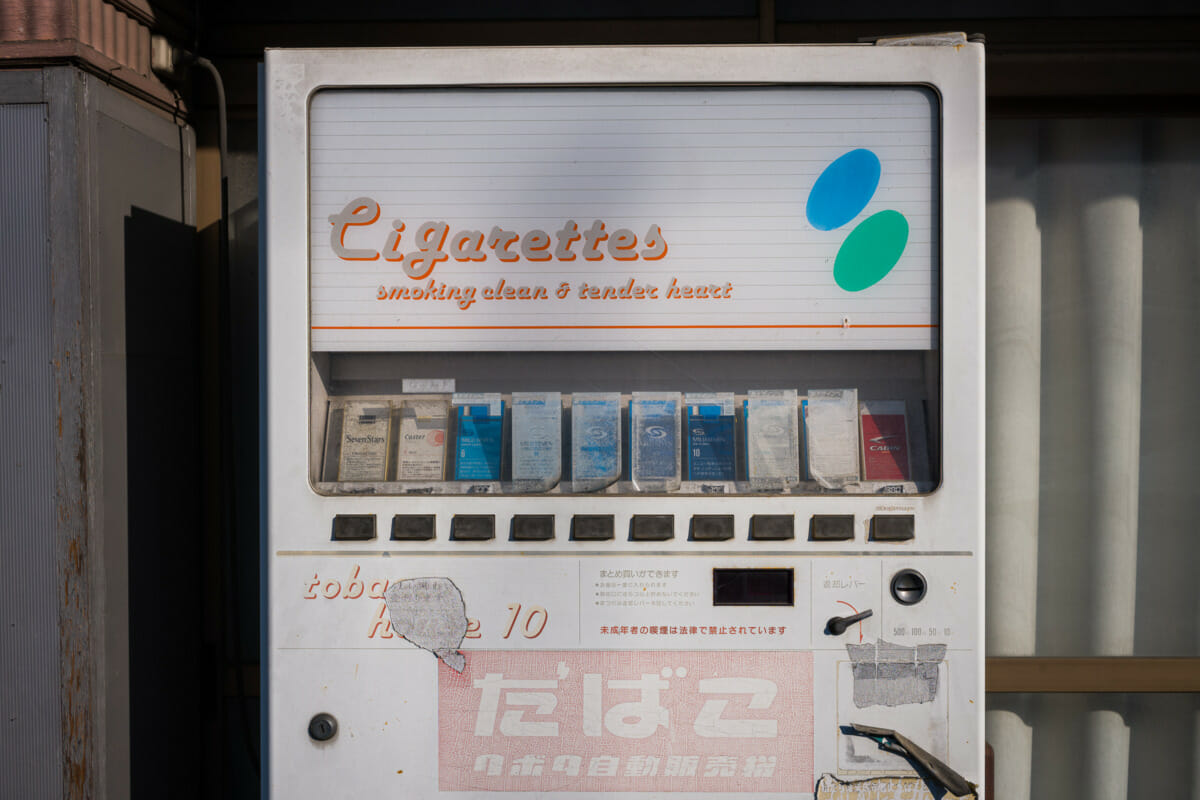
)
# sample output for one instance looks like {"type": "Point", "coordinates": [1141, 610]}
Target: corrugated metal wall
{"type": "Point", "coordinates": [1093, 385]}
{"type": "Point", "coordinates": [30, 738]}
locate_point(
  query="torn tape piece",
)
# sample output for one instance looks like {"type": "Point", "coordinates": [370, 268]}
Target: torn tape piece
{"type": "Point", "coordinates": [934, 769]}
{"type": "Point", "coordinates": [430, 613]}
{"type": "Point", "coordinates": [887, 674]}
{"type": "Point", "coordinates": [886, 788]}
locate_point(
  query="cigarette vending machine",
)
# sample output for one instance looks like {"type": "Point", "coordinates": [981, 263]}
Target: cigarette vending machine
{"type": "Point", "coordinates": [625, 421]}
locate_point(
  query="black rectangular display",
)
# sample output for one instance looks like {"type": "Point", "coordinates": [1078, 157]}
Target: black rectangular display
{"type": "Point", "coordinates": [753, 587]}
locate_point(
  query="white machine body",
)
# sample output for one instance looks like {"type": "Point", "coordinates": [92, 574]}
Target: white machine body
{"type": "Point", "coordinates": [665, 633]}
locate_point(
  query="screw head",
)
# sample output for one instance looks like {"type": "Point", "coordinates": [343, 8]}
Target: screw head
{"type": "Point", "coordinates": [322, 727]}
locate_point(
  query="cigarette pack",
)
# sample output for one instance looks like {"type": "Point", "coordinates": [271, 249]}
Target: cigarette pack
{"type": "Point", "coordinates": [654, 430]}
{"type": "Point", "coordinates": [831, 436]}
{"type": "Point", "coordinates": [772, 439]}
{"type": "Point", "coordinates": [363, 452]}
{"type": "Point", "coordinates": [710, 437]}
{"type": "Point", "coordinates": [885, 447]}
{"type": "Point", "coordinates": [595, 440]}
{"type": "Point", "coordinates": [422, 449]}
{"type": "Point", "coordinates": [536, 440]}
{"type": "Point", "coordinates": [480, 438]}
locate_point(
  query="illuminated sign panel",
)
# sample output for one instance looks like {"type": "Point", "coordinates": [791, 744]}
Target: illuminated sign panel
{"type": "Point", "coordinates": [636, 218]}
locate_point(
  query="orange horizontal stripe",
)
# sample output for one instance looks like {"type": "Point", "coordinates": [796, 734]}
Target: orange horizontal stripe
{"type": "Point", "coordinates": [582, 327]}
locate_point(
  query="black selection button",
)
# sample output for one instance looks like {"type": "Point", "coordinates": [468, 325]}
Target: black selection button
{"type": "Point", "coordinates": [532, 527]}
{"type": "Point", "coordinates": [592, 527]}
{"type": "Point", "coordinates": [473, 527]}
{"type": "Point", "coordinates": [652, 528]}
{"type": "Point", "coordinates": [831, 528]}
{"type": "Point", "coordinates": [892, 528]}
{"type": "Point", "coordinates": [712, 527]}
{"type": "Point", "coordinates": [772, 527]}
{"type": "Point", "coordinates": [353, 527]}
{"type": "Point", "coordinates": [413, 527]}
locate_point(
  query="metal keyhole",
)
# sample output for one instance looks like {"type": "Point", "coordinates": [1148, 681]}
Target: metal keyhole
{"type": "Point", "coordinates": [322, 727]}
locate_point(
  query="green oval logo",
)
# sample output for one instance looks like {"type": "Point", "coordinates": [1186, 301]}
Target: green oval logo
{"type": "Point", "coordinates": [870, 251]}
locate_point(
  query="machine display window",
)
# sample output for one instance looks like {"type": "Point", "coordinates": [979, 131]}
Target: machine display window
{"type": "Point", "coordinates": [747, 422]}
{"type": "Point", "coordinates": [661, 290]}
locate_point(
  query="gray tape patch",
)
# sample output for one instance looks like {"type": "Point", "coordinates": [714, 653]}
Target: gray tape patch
{"type": "Point", "coordinates": [430, 613]}
{"type": "Point", "coordinates": [887, 674]}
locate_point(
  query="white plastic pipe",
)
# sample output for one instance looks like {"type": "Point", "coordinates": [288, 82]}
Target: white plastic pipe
{"type": "Point", "coordinates": [1111, 244]}
{"type": "Point", "coordinates": [1106, 744]}
{"type": "Point", "coordinates": [1108, 167]}
{"type": "Point", "coordinates": [1011, 738]}
{"type": "Point", "coordinates": [1014, 356]}
{"type": "Point", "coordinates": [1014, 364]}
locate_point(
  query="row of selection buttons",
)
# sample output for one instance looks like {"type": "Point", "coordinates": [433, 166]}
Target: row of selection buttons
{"type": "Point", "coordinates": [642, 527]}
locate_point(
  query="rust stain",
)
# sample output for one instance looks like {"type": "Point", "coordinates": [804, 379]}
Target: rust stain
{"type": "Point", "coordinates": [79, 740]}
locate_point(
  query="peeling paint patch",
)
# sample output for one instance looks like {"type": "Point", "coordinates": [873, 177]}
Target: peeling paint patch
{"type": "Point", "coordinates": [430, 613]}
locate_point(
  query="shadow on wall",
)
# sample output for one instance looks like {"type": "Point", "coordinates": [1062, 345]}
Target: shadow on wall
{"type": "Point", "coordinates": [171, 657]}
{"type": "Point", "coordinates": [193, 589]}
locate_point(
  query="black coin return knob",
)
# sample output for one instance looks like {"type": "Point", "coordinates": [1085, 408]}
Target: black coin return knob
{"type": "Point", "coordinates": [836, 626]}
{"type": "Point", "coordinates": [322, 727]}
{"type": "Point", "coordinates": [908, 587]}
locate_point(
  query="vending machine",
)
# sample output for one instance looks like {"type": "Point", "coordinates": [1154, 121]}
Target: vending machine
{"type": "Point", "coordinates": [625, 421]}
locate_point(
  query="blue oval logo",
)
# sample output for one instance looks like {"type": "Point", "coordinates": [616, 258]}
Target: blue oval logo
{"type": "Point", "coordinates": [843, 190]}
{"type": "Point", "coordinates": [597, 433]}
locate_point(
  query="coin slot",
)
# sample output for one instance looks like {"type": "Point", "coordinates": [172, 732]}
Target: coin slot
{"type": "Point", "coordinates": [908, 587]}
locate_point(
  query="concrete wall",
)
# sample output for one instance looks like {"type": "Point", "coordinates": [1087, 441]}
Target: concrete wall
{"type": "Point", "coordinates": [105, 175]}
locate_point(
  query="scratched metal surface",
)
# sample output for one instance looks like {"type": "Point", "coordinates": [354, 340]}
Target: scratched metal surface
{"type": "Point", "coordinates": [30, 752]}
